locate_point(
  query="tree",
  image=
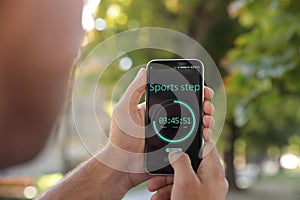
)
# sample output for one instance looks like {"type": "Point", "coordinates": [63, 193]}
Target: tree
{"type": "Point", "coordinates": [203, 20]}
{"type": "Point", "coordinates": [264, 66]}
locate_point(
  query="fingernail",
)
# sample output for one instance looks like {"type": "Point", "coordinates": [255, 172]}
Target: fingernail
{"type": "Point", "coordinates": [174, 155]}
{"type": "Point", "coordinates": [212, 92]}
{"type": "Point", "coordinates": [212, 122]}
{"type": "Point", "coordinates": [213, 109]}
{"type": "Point", "coordinates": [140, 72]}
{"type": "Point", "coordinates": [207, 135]}
{"type": "Point", "coordinates": [208, 147]}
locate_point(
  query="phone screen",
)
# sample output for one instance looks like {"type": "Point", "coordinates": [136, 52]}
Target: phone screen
{"type": "Point", "coordinates": [174, 98]}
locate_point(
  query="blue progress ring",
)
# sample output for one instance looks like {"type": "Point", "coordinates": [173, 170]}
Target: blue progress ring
{"type": "Point", "coordinates": [189, 133]}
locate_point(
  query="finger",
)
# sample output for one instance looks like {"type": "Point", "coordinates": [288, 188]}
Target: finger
{"type": "Point", "coordinates": [207, 133]}
{"type": "Point", "coordinates": [159, 182]}
{"type": "Point", "coordinates": [142, 105]}
{"type": "Point", "coordinates": [208, 121]}
{"type": "Point", "coordinates": [142, 111]}
{"type": "Point", "coordinates": [163, 193]}
{"type": "Point", "coordinates": [208, 93]}
{"type": "Point", "coordinates": [142, 108]}
{"type": "Point", "coordinates": [211, 167]}
{"type": "Point", "coordinates": [181, 164]}
{"type": "Point", "coordinates": [135, 90]}
{"type": "Point", "coordinates": [208, 108]}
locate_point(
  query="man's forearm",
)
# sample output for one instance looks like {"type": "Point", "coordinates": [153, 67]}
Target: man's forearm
{"type": "Point", "coordinates": [91, 180]}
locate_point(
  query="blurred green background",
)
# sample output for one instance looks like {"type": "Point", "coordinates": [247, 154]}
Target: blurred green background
{"type": "Point", "coordinates": [256, 45]}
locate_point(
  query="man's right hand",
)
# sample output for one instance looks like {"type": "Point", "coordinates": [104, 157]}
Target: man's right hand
{"type": "Point", "coordinates": [208, 184]}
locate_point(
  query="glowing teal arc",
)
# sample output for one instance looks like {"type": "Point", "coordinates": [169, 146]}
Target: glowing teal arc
{"type": "Point", "coordinates": [187, 135]}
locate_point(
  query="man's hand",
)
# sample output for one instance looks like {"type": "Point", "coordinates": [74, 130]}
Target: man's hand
{"type": "Point", "coordinates": [208, 184]}
{"type": "Point", "coordinates": [127, 132]}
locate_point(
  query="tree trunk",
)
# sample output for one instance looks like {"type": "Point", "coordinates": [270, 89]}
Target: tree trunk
{"type": "Point", "coordinates": [202, 19]}
{"type": "Point", "coordinates": [229, 156]}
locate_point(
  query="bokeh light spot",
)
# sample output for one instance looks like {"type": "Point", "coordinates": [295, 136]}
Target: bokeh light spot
{"type": "Point", "coordinates": [30, 192]}
{"type": "Point", "coordinates": [125, 63]}
{"type": "Point", "coordinates": [100, 24]}
{"type": "Point", "coordinates": [113, 11]}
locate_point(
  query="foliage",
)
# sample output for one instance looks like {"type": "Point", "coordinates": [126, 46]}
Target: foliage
{"type": "Point", "coordinates": [123, 15]}
{"type": "Point", "coordinates": [264, 69]}
{"type": "Point", "coordinates": [196, 18]}
{"type": "Point", "coordinates": [46, 181]}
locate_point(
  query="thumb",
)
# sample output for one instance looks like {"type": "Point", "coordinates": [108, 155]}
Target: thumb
{"type": "Point", "coordinates": [181, 164]}
{"type": "Point", "coordinates": [211, 167]}
{"type": "Point", "coordinates": [135, 90]}
{"type": "Point", "coordinates": [128, 116]}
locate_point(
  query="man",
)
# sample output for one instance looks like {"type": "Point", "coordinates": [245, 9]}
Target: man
{"type": "Point", "coordinates": [39, 41]}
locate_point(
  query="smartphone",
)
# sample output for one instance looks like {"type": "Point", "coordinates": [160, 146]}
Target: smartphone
{"type": "Point", "coordinates": [174, 103]}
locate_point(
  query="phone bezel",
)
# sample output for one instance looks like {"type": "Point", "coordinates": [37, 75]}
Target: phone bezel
{"type": "Point", "coordinates": [146, 99]}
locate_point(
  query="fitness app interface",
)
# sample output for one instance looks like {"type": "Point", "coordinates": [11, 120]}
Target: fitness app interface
{"type": "Point", "coordinates": [174, 112]}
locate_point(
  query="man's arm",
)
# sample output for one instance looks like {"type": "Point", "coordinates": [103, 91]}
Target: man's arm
{"type": "Point", "coordinates": [92, 180]}
{"type": "Point", "coordinates": [117, 168]}
{"type": "Point", "coordinates": [39, 41]}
